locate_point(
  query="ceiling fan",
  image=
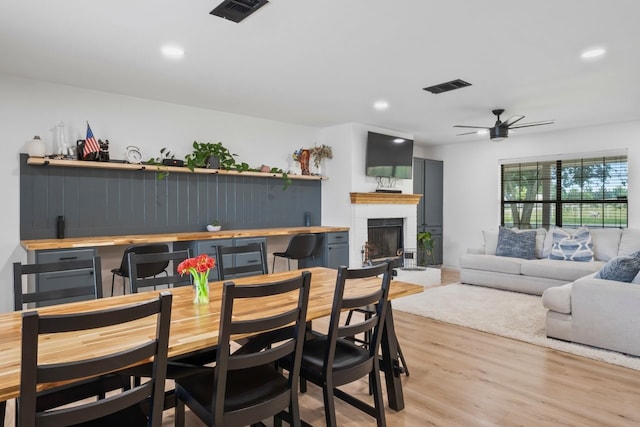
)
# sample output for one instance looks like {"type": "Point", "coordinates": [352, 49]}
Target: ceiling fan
{"type": "Point", "coordinates": [500, 130]}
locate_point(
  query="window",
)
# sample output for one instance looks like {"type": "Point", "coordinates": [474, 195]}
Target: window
{"type": "Point", "coordinates": [582, 192]}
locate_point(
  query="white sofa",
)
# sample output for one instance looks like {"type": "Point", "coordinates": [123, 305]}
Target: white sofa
{"type": "Point", "coordinates": [580, 307]}
{"type": "Point", "coordinates": [482, 267]}
{"type": "Point", "coordinates": [597, 312]}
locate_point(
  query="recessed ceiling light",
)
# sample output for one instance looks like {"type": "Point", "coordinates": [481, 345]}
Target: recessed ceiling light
{"type": "Point", "coordinates": [172, 51]}
{"type": "Point", "coordinates": [381, 105]}
{"type": "Point", "coordinates": [482, 131]}
{"type": "Point", "coordinates": [593, 53]}
{"type": "Point", "coordinates": [398, 140]}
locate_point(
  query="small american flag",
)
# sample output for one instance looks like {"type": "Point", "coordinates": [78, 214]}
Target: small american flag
{"type": "Point", "coordinates": [90, 144]}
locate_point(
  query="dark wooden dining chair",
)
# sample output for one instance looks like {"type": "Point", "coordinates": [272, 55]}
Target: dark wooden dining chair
{"type": "Point", "coordinates": [300, 246]}
{"type": "Point", "coordinates": [97, 387]}
{"type": "Point", "coordinates": [139, 406]}
{"type": "Point", "coordinates": [144, 270]}
{"type": "Point", "coordinates": [246, 387]}
{"type": "Point", "coordinates": [253, 268]}
{"type": "Point", "coordinates": [138, 277]}
{"type": "Point", "coordinates": [334, 360]}
{"type": "Point", "coordinates": [39, 298]}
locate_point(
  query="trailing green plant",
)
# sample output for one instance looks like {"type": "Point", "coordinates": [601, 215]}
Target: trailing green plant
{"type": "Point", "coordinates": [203, 151]}
{"type": "Point", "coordinates": [157, 161]}
{"type": "Point", "coordinates": [285, 177]}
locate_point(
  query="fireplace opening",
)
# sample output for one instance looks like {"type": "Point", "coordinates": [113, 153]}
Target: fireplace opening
{"type": "Point", "coordinates": [384, 239]}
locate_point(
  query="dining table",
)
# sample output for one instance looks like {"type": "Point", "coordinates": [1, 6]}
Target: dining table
{"type": "Point", "coordinates": [194, 327]}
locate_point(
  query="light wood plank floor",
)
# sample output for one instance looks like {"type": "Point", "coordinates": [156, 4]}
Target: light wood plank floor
{"type": "Point", "coordinates": [461, 377]}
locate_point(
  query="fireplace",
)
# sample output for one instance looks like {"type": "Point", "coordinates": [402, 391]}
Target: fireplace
{"type": "Point", "coordinates": [385, 238]}
{"type": "Point", "coordinates": [377, 206]}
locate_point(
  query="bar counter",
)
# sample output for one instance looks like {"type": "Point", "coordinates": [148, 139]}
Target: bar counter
{"type": "Point", "coordinates": [132, 239]}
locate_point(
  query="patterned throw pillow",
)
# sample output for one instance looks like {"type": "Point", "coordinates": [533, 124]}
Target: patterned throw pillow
{"type": "Point", "coordinates": [576, 246]}
{"type": "Point", "coordinates": [516, 244]}
{"type": "Point", "coordinates": [621, 268]}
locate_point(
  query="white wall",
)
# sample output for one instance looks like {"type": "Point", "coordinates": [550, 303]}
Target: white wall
{"type": "Point", "coordinates": [472, 176]}
{"type": "Point", "coordinates": [29, 108]}
{"type": "Point", "coordinates": [347, 170]}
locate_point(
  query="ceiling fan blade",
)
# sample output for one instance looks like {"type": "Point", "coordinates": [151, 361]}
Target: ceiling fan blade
{"type": "Point", "coordinates": [527, 125]}
{"type": "Point", "coordinates": [512, 120]}
{"type": "Point", "coordinates": [471, 127]}
{"type": "Point", "coordinates": [467, 133]}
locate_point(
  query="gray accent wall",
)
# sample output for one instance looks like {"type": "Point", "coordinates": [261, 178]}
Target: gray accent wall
{"type": "Point", "coordinates": [104, 202]}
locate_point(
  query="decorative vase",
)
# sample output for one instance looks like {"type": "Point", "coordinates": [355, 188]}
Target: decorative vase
{"type": "Point", "coordinates": [304, 161]}
{"type": "Point", "coordinates": [201, 288]}
{"type": "Point", "coordinates": [36, 147]}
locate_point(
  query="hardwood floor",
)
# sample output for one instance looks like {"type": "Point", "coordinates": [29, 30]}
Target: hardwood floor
{"type": "Point", "coordinates": [461, 377]}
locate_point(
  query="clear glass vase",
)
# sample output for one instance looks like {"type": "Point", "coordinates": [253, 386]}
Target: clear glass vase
{"type": "Point", "coordinates": [201, 288]}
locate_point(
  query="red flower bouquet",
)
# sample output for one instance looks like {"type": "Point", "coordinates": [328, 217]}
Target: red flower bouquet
{"type": "Point", "coordinates": [199, 268]}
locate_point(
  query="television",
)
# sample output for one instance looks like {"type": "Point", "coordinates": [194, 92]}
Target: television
{"type": "Point", "coordinates": [389, 156]}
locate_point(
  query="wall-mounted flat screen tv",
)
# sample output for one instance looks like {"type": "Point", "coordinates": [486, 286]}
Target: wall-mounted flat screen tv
{"type": "Point", "coordinates": [388, 156]}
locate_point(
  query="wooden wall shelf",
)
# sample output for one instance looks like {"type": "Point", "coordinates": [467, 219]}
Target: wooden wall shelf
{"type": "Point", "coordinates": [45, 161]}
{"type": "Point", "coordinates": [384, 199]}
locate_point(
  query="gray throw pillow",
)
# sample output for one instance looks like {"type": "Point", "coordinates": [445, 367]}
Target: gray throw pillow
{"type": "Point", "coordinates": [516, 244]}
{"type": "Point", "coordinates": [621, 268]}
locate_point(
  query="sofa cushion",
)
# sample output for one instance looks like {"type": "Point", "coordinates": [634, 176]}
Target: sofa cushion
{"type": "Point", "coordinates": [572, 246]}
{"type": "Point", "coordinates": [605, 242]}
{"type": "Point", "coordinates": [560, 270]}
{"type": "Point", "coordinates": [516, 243]}
{"type": "Point", "coordinates": [492, 263]}
{"type": "Point", "coordinates": [558, 298]}
{"type": "Point", "coordinates": [621, 268]}
{"type": "Point", "coordinates": [490, 241]}
{"type": "Point", "coordinates": [629, 241]}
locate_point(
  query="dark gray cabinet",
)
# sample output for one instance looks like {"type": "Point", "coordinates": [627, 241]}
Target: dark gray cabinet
{"type": "Point", "coordinates": [63, 279]}
{"type": "Point", "coordinates": [427, 180]}
{"type": "Point", "coordinates": [332, 250]}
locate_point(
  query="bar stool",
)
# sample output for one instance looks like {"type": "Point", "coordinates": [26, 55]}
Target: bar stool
{"type": "Point", "coordinates": [300, 246]}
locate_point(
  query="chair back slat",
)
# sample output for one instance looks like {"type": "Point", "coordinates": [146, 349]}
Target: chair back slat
{"type": "Point", "coordinates": [136, 261]}
{"type": "Point", "coordinates": [255, 268]}
{"type": "Point", "coordinates": [56, 296]}
{"type": "Point", "coordinates": [34, 373]}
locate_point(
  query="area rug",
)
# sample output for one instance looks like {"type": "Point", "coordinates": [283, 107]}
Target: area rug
{"type": "Point", "coordinates": [508, 314]}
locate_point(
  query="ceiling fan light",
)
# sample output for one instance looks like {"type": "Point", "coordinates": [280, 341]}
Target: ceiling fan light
{"type": "Point", "coordinates": [498, 133]}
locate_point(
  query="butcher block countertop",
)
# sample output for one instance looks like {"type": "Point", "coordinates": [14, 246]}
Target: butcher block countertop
{"type": "Point", "coordinates": [132, 239]}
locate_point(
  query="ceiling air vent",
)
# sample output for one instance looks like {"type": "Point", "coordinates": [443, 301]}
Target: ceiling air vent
{"type": "Point", "coordinates": [446, 87]}
{"type": "Point", "coordinates": [237, 10]}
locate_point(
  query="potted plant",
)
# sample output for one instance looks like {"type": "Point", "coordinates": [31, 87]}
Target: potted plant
{"type": "Point", "coordinates": [319, 153]}
{"type": "Point", "coordinates": [210, 155]}
{"type": "Point", "coordinates": [214, 226]}
{"type": "Point", "coordinates": [425, 248]}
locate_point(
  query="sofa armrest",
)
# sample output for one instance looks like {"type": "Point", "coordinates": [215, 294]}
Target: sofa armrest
{"type": "Point", "coordinates": [606, 313]}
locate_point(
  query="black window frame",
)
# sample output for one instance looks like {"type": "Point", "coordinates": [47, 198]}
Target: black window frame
{"type": "Point", "coordinates": [549, 204]}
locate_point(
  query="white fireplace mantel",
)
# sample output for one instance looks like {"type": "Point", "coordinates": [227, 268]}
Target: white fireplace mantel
{"type": "Point", "coordinates": [365, 206]}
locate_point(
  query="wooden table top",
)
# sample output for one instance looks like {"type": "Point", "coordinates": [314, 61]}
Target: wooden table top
{"type": "Point", "coordinates": [193, 327]}
{"type": "Point", "coordinates": [134, 239]}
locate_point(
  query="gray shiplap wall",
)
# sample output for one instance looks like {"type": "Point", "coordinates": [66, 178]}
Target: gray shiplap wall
{"type": "Point", "coordinates": [102, 202]}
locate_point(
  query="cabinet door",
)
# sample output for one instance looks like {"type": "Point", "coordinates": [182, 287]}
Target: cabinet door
{"type": "Point", "coordinates": [337, 255]}
{"type": "Point", "coordinates": [432, 193]}
{"type": "Point", "coordinates": [418, 186]}
{"type": "Point", "coordinates": [64, 279]}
